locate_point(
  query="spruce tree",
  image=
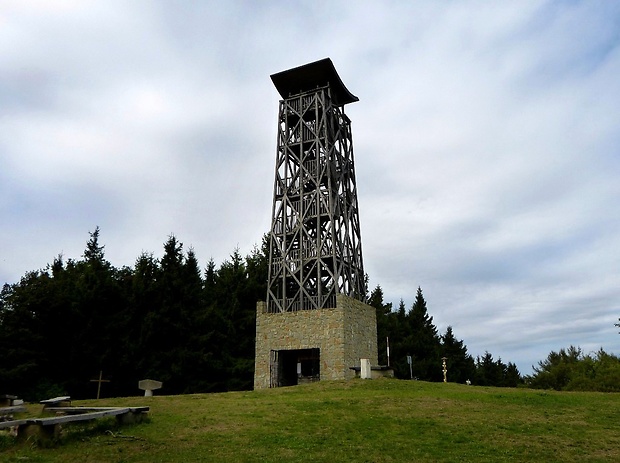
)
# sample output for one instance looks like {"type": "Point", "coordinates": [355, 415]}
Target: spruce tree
{"type": "Point", "coordinates": [237, 313]}
{"type": "Point", "coordinates": [96, 321]}
{"type": "Point", "coordinates": [399, 334]}
{"type": "Point", "coordinates": [423, 342]}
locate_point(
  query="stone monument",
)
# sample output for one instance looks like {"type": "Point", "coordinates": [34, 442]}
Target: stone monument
{"type": "Point", "coordinates": [148, 386]}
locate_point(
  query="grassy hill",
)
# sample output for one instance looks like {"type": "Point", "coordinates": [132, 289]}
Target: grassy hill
{"type": "Point", "coordinates": [361, 421]}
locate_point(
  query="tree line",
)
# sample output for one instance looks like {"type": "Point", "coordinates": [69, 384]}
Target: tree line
{"type": "Point", "coordinates": [161, 319]}
{"type": "Point", "coordinates": [194, 329]}
{"type": "Point", "coordinates": [572, 369]}
{"type": "Point", "coordinates": [411, 334]}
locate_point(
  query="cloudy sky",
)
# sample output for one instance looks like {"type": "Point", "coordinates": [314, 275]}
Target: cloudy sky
{"type": "Point", "coordinates": [486, 138]}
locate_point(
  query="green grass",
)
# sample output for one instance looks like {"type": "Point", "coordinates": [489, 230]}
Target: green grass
{"type": "Point", "coordinates": [360, 420]}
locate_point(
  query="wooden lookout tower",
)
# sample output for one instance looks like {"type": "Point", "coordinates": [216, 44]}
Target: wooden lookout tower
{"type": "Point", "coordinates": [314, 323]}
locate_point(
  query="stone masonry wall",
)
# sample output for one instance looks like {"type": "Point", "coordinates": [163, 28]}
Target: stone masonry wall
{"type": "Point", "coordinates": [360, 330]}
{"type": "Point", "coordinates": [343, 334]}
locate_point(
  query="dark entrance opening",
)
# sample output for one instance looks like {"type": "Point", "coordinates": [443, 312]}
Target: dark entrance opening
{"type": "Point", "coordinates": [292, 367]}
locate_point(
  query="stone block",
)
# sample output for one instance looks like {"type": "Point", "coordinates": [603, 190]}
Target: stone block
{"type": "Point", "coordinates": [343, 334]}
{"type": "Point", "coordinates": [366, 372]}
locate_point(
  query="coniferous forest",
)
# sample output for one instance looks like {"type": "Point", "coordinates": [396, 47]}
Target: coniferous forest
{"type": "Point", "coordinates": [192, 328]}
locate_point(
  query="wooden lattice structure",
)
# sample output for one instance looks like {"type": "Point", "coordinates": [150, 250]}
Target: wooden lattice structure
{"type": "Point", "coordinates": [315, 243]}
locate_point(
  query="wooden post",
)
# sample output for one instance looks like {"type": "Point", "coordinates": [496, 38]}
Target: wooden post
{"type": "Point", "coordinates": [99, 381]}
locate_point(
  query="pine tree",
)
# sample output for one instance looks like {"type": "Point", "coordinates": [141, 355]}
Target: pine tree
{"type": "Point", "coordinates": [512, 377]}
{"type": "Point", "coordinates": [162, 333]}
{"type": "Point", "coordinates": [98, 308]}
{"type": "Point", "coordinates": [555, 372]}
{"type": "Point", "coordinates": [423, 341]}
{"type": "Point", "coordinates": [195, 349]}
{"type": "Point", "coordinates": [94, 252]}
{"type": "Point", "coordinates": [495, 373]}
{"type": "Point", "coordinates": [21, 361]}
{"type": "Point", "coordinates": [399, 333]}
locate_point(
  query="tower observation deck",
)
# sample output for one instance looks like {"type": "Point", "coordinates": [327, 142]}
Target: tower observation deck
{"type": "Point", "coordinates": [315, 249]}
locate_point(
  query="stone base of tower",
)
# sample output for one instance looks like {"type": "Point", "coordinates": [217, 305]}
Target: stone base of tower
{"type": "Point", "coordinates": [296, 347]}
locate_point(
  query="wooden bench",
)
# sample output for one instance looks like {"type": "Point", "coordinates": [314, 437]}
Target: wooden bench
{"type": "Point", "coordinates": [63, 401]}
{"type": "Point", "coordinates": [9, 404]}
{"type": "Point", "coordinates": [50, 427]}
{"type": "Point", "coordinates": [4, 411]}
{"type": "Point", "coordinates": [6, 400]}
{"type": "Point", "coordinates": [12, 423]}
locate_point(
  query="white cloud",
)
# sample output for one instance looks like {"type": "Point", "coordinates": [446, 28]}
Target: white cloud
{"type": "Point", "coordinates": [486, 143]}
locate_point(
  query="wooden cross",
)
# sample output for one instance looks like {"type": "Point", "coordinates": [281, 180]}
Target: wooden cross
{"type": "Point", "coordinates": [99, 381]}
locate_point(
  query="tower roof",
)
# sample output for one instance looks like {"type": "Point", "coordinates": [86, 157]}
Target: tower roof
{"type": "Point", "coordinates": [304, 78]}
